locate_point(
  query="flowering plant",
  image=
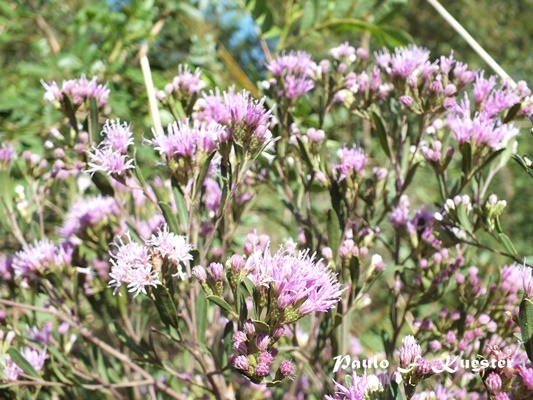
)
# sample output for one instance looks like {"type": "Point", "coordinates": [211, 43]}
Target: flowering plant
{"type": "Point", "coordinates": [133, 266]}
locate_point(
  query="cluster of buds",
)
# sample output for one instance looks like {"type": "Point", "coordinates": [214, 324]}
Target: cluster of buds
{"type": "Point", "coordinates": [413, 367]}
{"type": "Point", "coordinates": [491, 211]}
{"type": "Point", "coordinates": [255, 353]}
{"type": "Point", "coordinates": [75, 92]}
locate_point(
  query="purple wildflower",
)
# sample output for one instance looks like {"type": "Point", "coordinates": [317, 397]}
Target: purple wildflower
{"type": "Point", "coordinates": [482, 130]}
{"type": "Point", "coordinates": [78, 90]}
{"type": "Point", "coordinates": [286, 367]}
{"type": "Point", "coordinates": [87, 212]}
{"type": "Point", "coordinates": [405, 61]}
{"type": "Point", "coordinates": [299, 64]}
{"type": "Point", "coordinates": [7, 154]}
{"type": "Point", "coordinates": [185, 84]}
{"type": "Point", "coordinates": [527, 377]}
{"type": "Point", "coordinates": [353, 391]}
{"type": "Point", "coordinates": [297, 87]}
{"type": "Point", "coordinates": [352, 162]}
{"type": "Point", "coordinates": [298, 282]}
{"type": "Point", "coordinates": [185, 147]}
{"type": "Point", "coordinates": [109, 161]}
{"type": "Point", "coordinates": [482, 86]}
{"type": "Point", "coordinates": [175, 248]}
{"type": "Point", "coordinates": [40, 256]}
{"type": "Point", "coordinates": [409, 352]}
{"type": "Point", "coordinates": [241, 362]}
{"type": "Point", "coordinates": [117, 136]}
{"type": "Point", "coordinates": [43, 335]}
{"type": "Point", "coordinates": [131, 265]}
{"type": "Point", "coordinates": [34, 357]}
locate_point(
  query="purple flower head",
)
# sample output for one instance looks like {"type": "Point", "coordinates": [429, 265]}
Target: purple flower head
{"type": "Point", "coordinates": [211, 108]}
{"type": "Point", "coordinates": [351, 163]}
{"type": "Point", "coordinates": [184, 141]}
{"type": "Point", "coordinates": [199, 272]}
{"type": "Point", "coordinates": [78, 90]}
{"type": "Point", "coordinates": [117, 136]}
{"type": "Point", "coordinates": [405, 61]}
{"type": "Point", "coordinates": [87, 212]}
{"type": "Point", "coordinates": [38, 257]}
{"type": "Point", "coordinates": [298, 282]}
{"type": "Point", "coordinates": [353, 391]}
{"type": "Point", "coordinates": [216, 271]}
{"type": "Point", "coordinates": [261, 369]}
{"type": "Point", "coordinates": [109, 161]}
{"type": "Point", "coordinates": [297, 87]}
{"type": "Point", "coordinates": [34, 357]}
{"type": "Point", "coordinates": [482, 129]}
{"type": "Point", "coordinates": [7, 154]}
{"type": "Point", "coordinates": [168, 245]}
{"type": "Point", "coordinates": [482, 86]}
{"type": "Point", "coordinates": [43, 335]}
{"type": "Point", "coordinates": [298, 64]}
{"type": "Point", "coordinates": [249, 121]}
{"type": "Point", "coordinates": [493, 383]}
{"type": "Point", "coordinates": [527, 377]}
{"type": "Point", "coordinates": [409, 351]}
{"type": "Point", "coordinates": [265, 358]}
{"type": "Point", "coordinates": [286, 368]}
{"type": "Point", "coordinates": [131, 264]}
{"type": "Point", "coordinates": [499, 100]}
{"type": "Point", "coordinates": [185, 84]}
{"type": "Point", "coordinates": [241, 362]}
{"type": "Point", "coordinates": [463, 74]}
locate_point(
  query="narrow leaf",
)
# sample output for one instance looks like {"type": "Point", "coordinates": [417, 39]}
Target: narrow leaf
{"type": "Point", "coordinates": [334, 232]}
{"type": "Point", "coordinates": [525, 320]}
{"type": "Point", "coordinates": [19, 359]}
{"type": "Point", "coordinates": [102, 183]}
{"type": "Point", "coordinates": [170, 217]}
{"type": "Point", "coordinates": [381, 131]}
{"type": "Point", "coordinates": [507, 244]}
{"type": "Point", "coordinates": [165, 306]}
{"type": "Point", "coordinates": [219, 301]}
{"type": "Point", "coordinates": [201, 315]}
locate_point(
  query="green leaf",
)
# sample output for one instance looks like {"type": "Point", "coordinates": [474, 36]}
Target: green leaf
{"type": "Point", "coordinates": [250, 287]}
{"type": "Point", "coordinates": [102, 183]}
{"type": "Point", "coordinates": [170, 218]}
{"type": "Point", "coordinates": [219, 301]}
{"type": "Point", "coordinates": [201, 315]}
{"type": "Point", "coordinates": [93, 125]}
{"type": "Point", "coordinates": [19, 359]}
{"type": "Point", "coordinates": [463, 218]}
{"type": "Point", "coordinates": [381, 131]}
{"type": "Point", "coordinates": [525, 321]}
{"type": "Point", "coordinates": [395, 392]}
{"type": "Point", "coordinates": [183, 215]}
{"type": "Point", "coordinates": [165, 306]}
{"type": "Point", "coordinates": [203, 172]}
{"type": "Point", "coordinates": [507, 244]}
{"type": "Point", "coordinates": [466, 152]}
{"type": "Point", "coordinates": [305, 154]}
{"type": "Point", "coordinates": [137, 171]}
{"type": "Point", "coordinates": [334, 232]}
{"type": "Point", "coordinates": [261, 327]}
